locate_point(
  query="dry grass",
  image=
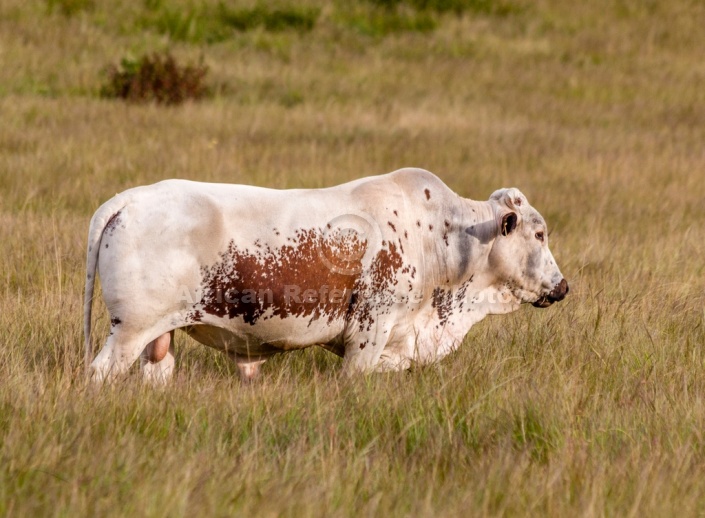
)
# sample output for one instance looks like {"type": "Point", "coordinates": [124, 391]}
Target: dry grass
{"type": "Point", "coordinates": [594, 406]}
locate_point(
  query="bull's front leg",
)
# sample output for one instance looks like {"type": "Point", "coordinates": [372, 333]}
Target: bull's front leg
{"type": "Point", "coordinates": [365, 349]}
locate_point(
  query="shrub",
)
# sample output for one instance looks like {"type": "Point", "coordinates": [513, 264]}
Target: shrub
{"type": "Point", "coordinates": [157, 78]}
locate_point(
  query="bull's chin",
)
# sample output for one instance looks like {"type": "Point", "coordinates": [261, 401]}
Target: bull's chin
{"type": "Point", "coordinates": [543, 302]}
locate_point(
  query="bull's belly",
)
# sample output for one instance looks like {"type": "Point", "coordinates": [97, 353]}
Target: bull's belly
{"type": "Point", "coordinates": [267, 337]}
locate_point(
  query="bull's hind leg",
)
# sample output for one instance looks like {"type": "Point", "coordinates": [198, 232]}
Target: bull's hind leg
{"type": "Point", "coordinates": [157, 359]}
{"type": "Point", "coordinates": [121, 350]}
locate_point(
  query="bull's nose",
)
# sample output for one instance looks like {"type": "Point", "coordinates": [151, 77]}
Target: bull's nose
{"type": "Point", "coordinates": [559, 292]}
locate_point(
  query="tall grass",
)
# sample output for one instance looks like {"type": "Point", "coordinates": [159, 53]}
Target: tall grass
{"type": "Point", "coordinates": [593, 407]}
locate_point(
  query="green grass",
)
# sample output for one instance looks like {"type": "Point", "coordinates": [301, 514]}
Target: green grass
{"type": "Point", "coordinates": [595, 406]}
{"type": "Point", "coordinates": [212, 23]}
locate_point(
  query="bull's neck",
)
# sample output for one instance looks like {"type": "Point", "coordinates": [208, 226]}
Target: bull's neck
{"type": "Point", "coordinates": [475, 212]}
{"type": "Point", "coordinates": [476, 228]}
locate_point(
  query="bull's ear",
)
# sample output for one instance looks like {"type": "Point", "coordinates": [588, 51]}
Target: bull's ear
{"type": "Point", "coordinates": [509, 223]}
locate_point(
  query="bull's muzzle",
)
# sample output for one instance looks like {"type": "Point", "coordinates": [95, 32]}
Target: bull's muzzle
{"type": "Point", "coordinates": [557, 294]}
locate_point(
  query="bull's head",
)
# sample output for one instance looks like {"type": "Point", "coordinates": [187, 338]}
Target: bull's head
{"type": "Point", "coordinates": [520, 255]}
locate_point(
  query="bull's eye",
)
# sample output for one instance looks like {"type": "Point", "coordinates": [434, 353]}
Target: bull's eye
{"type": "Point", "coordinates": [539, 236]}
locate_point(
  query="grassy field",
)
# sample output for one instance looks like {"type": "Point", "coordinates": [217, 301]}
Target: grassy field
{"type": "Point", "coordinates": [593, 407]}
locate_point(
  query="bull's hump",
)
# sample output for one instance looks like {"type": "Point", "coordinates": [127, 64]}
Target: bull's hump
{"type": "Point", "coordinates": [422, 187]}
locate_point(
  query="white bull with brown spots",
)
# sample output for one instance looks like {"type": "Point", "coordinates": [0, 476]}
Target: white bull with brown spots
{"type": "Point", "coordinates": [384, 271]}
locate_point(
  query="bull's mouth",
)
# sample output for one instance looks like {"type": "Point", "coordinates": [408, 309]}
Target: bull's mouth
{"type": "Point", "coordinates": [557, 294]}
{"type": "Point", "coordinates": [543, 302]}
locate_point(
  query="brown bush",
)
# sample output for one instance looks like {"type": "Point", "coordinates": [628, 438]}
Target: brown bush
{"type": "Point", "coordinates": [156, 77]}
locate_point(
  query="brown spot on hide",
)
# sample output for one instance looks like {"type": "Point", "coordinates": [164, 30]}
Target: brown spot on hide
{"type": "Point", "coordinates": [115, 321]}
{"type": "Point", "coordinates": [430, 227]}
{"type": "Point", "coordinates": [408, 269]}
{"type": "Point", "coordinates": [384, 268]}
{"type": "Point", "coordinates": [443, 302]}
{"type": "Point", "coordinates": [392, 225]}
{"type": "Point", "coordinates": [112, 223]}
{"type": "Point", "coordinates": [312, 278]}
{"type": "Point", "coordinates": [460, 295]}
{"type": "Point", "coordinates": [377, 286]}
{"type": "Point", "coordinates": [395, 213]}
{"type": "Point", "coordinates": [418, 223]}
{"type": "Point", "coordinates": [427, 193]}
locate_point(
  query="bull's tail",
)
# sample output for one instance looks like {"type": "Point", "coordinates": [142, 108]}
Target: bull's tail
{"type": "Point", "coordinates": [99, 221]}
